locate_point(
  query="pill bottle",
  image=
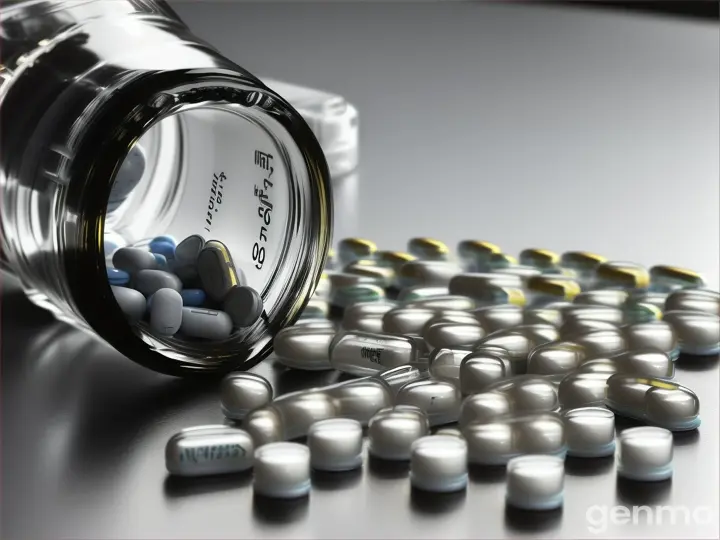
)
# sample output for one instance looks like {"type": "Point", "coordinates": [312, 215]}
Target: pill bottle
{"type": "Point", "coordinates": [92, 88]}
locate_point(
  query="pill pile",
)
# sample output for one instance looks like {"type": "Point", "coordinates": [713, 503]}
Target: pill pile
{"type": "Point", "coordinates": [477, 359]}
{"type": "Point", "coordinates": [191, 289]}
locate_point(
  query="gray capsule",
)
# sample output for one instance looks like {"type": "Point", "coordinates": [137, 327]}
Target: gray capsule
{"type": "Point", "coordinates": [645, 362]}
{"type": "Point", "coordinates": [516, 344]}
{"type": "Point", "coordinates": [667, 278]}
{"type": "Point", "coordinates": [419, 292]}
{"type": "Point", "coordinates": [209, 450]}
{"type": "Point", "coordinates": [500, 317]}
{"type": "Point", "coordinates": [282, 470]}
{"type": "Point", "coordinates": [579, 327]}
{"type": "Point", "coordinates": [316, 324]}
{"type": "Point", "coordinates": [535, 482]}
{"type": "Point", "coordinates": [638, 312]}
{"type": "Point", "coordinates": [654, 298]}
{"type": "Point", "coordinates": [244, 305]}
{"type": "Point", "coordinates": [593, 313]}
{"type": "Point", "coordinates": [187, 251]}
{"type": "Point", "coordinates": [150, 281]}
{"type": "Point", "coordinates": [483, 408]}
{"type": "Point", "coordinates": [381, 276]}
{"type": "Point", "coordinates": [444, 364]}
{"type": "Point", "coordinates": [264, 425]}
{"type": "Point", "coordinates": [655, 401]}
{"type": "Point", "coordinates": [397, 377]}
{"type": "Point", "coordinates": [475, 285]}
{"type": "Point", "coordinates": [240, 393]}
{"type": "Point", "coordinates": [703, 300]}
{"type": "Point", "coordinates": [132, 260]}
{"type": "Point", "coordinates": [589, 432]}
{"type": "Point", "coordinates": [335, 445]}
{"type": "Point", "coordinates": [525, 273]}
{"type": "Point", "coordinates": [217, 270]}
{"type": "Point", "coordinates": [542, 315]}
{"type": "Point", "coordinates": [354, 294]}
{"type": "Point", "coordinates": [697, 332]}
{"type": "Point", "coordinates": [555, 358]}
{"type": "Point", "coordinates": [299, 410]}
{"type": "Point", "coordinates": [600, 365]}
{"type": "Point", "coordinates": [495, 443]}
{"type": "Point", "coordinates": [645, 454]}
{"type": "Point", "coordinates": [527, 393]}
{"type": "Point", "coordinates": [480, 369]}
{"type": "Point", "coordinates": [602, 343]}
{"type": "Point", "coordinates": [406, 321]}
{"type": "Point", "coordinates": [366, 316]}
{"type": "Point", "coordinates": [428, 249]}
{"type": "Point", "coordinates": [359, 400]}
{"type": "Point", "coordinates": [392, 431]}
{"type": "Point", "coordinates": [304, 348]}
{"type": "Point", "coordinates": [446, 302]}
{"type": "Point", "coordinates": [131, 302]}
{"type": "Point", "coordinates": [581, 389]}
{"type": "Point", "coordinates": [316, 308]}
{"type": "Point", "coordinates": [427, 273]}
{"type": "Point", "coordinates": [204, 323]}
{"type": "Point", "coordinates": [453, 335]}
{"type": "Point", "coordinates": [653, 335]}
{"type": "Point", "coordinates": [450, 316]}
{"type": "Point", "coordinates": [440, 400]}
{"type": "Point", "coordinates": [354, 249]}
{"type": "Point", "coordinates": [364, 353]}
{"type": "Point", "coordinates": [615, 298]}
{"type": "Point", "coordinates": [166, 313]}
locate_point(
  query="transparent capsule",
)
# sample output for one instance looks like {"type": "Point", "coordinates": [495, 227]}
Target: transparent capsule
{"type": "Point", "coordinates": [360, 399]}
{"type": "Point", "coordinates": [654, 298]}
{"type": "Point", "coordinates": [645, 454]}
{"type": "Point", "coordinates": [697, 332]}
{"type": "Point", "coordinates": [264, 425]}
{"type": "Point", "coordinates": [335, 445]}
{"type": "Point", "coordinates": [622, 275]}
{"type": "Point", "coordinates": [573, 328]}
{"type": "Point", "coordinates": [428, 249]}
{"type": "Point", "coordinates": [527, 393]}
{"type": "Point", "coordinates": [316, 308]}
{"type": "Point", "coordinates": [475, 254]}
{"type": "Point", "coordinates": [557, 357]}
{"type": "Point", "coordinates": [440, 400]}
{"type": "Point", "coordinates": [303, 347]}
{"type": "Point", "coordinates": [438, 463]}
{"type": "Point", "coordinates": [427, 273]}
{"type": "Point", "coordinates": [523, 272]}
{"type": "Point", "coordinates": [702, 300]}
{"type": "Point", "coordinates": [364, 353]}
{"type": "Point", "coordinates": [282, 470]}
{"type": "Point", "coordinates": [483, 408]}
{"type": "Point", "coordinates": [500, 261]}
{"type": "Point", "coordinates": [406, 321]}
{"type": "Point", "coordinates": [476, 285]}
{"type": "Point", "coordinates": [542, 315]}
{"type": "Point", "coordinates": [319, 324]}
{"type": "Point", "coordinates": [493, 318]}
{"type": "Point", "coordinates": [363, 292]}
{"type": "Point", "coordinates": [299, 410]}
{"type": "Point", "coordinates": [668, 278]}
{"type": "Point", "coordinates": [638, 312]}
{"type": "Point", "coordinates": [209, 450]}
{"type": "Point", "coordinates": [393, 259]}
{"type": "Point", "coordinates": [584, 389]}
{"type": "Point", "coordinates": [583, 262]}
{"type": "Point", "coordinates": [589, 432]}
{"type": "Point", "coordinates": [322, 290]}
{"type": "Point", "coordinates": [242, 392]}
{"type": "Point", "coordinates": [544, 259]}
{"type": "Point", "coordinates": [380, 275]}
{"type": "Point", "coordinates": [497, 442]}
{"type": "Point", "coordinates": [396, 378]}
{"type": "Point", "coordinates": [654, 401]}
{"type": "Point", "coordinates": [340, 280]}
{"type": "Point", "coordinates": [549, 288]}
{"type": "Point", "coordinates": [450, 316]}
{"type": "Point", "coordinates": [480, 369]}
{"type": "Point", "coordinates": [366, 316]}
{"type": "Point", "coordinates": [652, 335]}
{"type": "Point", "coordinates": [447, 302]}
{"type": "Point", "coordinates": [642, 362]}
{"type": "Point", "coordinates": [392, 431]}
{"type": "Point", "coordinates": [448, 335]}
{"type": "Point", "coordinates": [444, 364]}
{"type": "Point", "coordinates": [593, 313]}
{"type": "Point", "coordinates": [518, 342]}
{"type": "Point", "coordinates": [353, 249]}
{"type": "Point", "coordinates": [614, 298]}
{"type": "Point", "coordinates": [494, 296]}
{"type": "Point", "coordinates": [535, 482]}
{"type": "Point", "coordinates": [420, 292]}
{"type": "Point", "coordinates": [602, 343]}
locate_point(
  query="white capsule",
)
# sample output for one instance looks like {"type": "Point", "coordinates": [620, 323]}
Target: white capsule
{"type": "Point", "coordinates": [652, 335]}
{"type": "Point", "coordinates": [615, 298]}
{"type": "Point", "coordinates": [502, 317]}
{"type": "Point", "coordinates": [396, 378]}
{"type": "Point", "coordinates": [264, 426]}
{"type": "Point", "coordinates": [589, 432]}
{"type": "Point", "coordinates": [480, 369]}
{"type": "Point", "coordinates": [698, 332]}
{"type": "Point", "coordinates": [450, 316]}
{"type": "Point", "coordinates": [440, 400]}
{"type": "Point", "coordinates": [645, 454]}
{"type": "Point", "coordinates": [131, 302]}
{"type": "Point", "coordinates": [316, 308]}
{"type": "Point", "coordinates": [299, 347]}
{"type": "Point", "coordinates": [282, 470]}
{"type": "Point", "coordinates": [300, 410]}
{"type": "Point", "coordinates": [584, 389]}
{"type": "Point", "coordinates": [360, 399]}
{"type": "Point", "coordinates": [392, 431]}
{"type": "Point", "coordinates": [579, 327]}
{"type": "Point", "coordinates": [593, 313]}
{"type": "Point", "coordinates": [242, 392]}
{"type": "Point", "coordinates": [438, 463]}
{"type": "Point", "coordinates": [703, 300]}
{"type": "Point", "coordinates": [204, 323]}
{"type": "Point", "coordinates": [515, 343]}
{"type": "Point", "coordinates": [453, 335]}
{"type": "Point", "coordinates": [558, 357]}
{"type": "Point", "coordinates": [527, 393]}
{"type": "Point", "coordinates": [535, 482]}
{"type": "Point", "coordinates": [476, 285]}
{"type": "Point", "coordinates": [446, 302]}
{"type": "Point", "coordinates": [427, 273]}
{"type": "Point", "coordinates": [364, 353]}
{"type": "Point", "coordinates": [444, 364]}
{"type": "Point", "coordinates": [335, 445]}
{"type": "Point", "coordinates": [363, 292]}
{"type": "Point", "coordinates": [406, 321]}
{"type": "Point", "coordinates": [654, 298]}
{"type": "Point", "coordinates": [483, 408]}
{"type": "Point", "coordinates": [209, 450]}
{"type": "Point", "coordinates": [366, 316]}
{"type": "Point", "coordinates": [602, 343]}
{"type": "Point", "coordinates": [166, 313]}
{"type": "Point", "coordinates": [418, 292]}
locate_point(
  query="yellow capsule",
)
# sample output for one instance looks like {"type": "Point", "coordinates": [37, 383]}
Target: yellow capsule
{"type": "Point", "coordinates": [381, 276]}
{"type": "Point", "coordinates": [539, 258]}
{"type": "Point", "coordinates": [393, 259]}
{"type": "Point", "coordinates": [501, 260]}
{"type": "Point", "coordinates": [553, 288]}
{"type": "Point", "coordinates": [475, 254]}
{"type": "Point", "coordinates": [667, 278]}
{"type": "Point", "coordinates": [428, 249]}
{"type": "Point", "coordinates": [581, 261]}
{"type": "Point", "coordinates": [625, 275]}
{"type": "Point", "coordinates": [353, 249]}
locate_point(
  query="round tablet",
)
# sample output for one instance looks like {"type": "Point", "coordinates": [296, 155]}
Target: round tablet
{"type": "Point", "coordinates": [535, 482]}
{"type": "Point", "coordinates": [242, 392]}
{"type": "Point", "coordinates": [244, 305]}
{"type": "Point", "coordinates": [282, 470]}
{"type": "Point", "coordinates": [438, 463]}
{"type": "Point", "coordinates": [335, 444]}
{"type": "Point", "coordinates": [392, 431]}
{"type": "Point", "coordinates": [590, 432]}
{"type": "Point", "coordinates": [645, 454]}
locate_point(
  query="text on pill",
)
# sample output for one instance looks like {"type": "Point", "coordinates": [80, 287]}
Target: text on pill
{"type": "Point", "coordinates": [371, 354]}
{"type": "Point", "coordinates": [212, 453]}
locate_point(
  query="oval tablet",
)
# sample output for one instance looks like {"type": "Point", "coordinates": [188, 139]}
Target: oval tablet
{"type": "Point", "coordinates": [131, 302]}
{"type": "Point", "coordinates": [187, 251]}
{"type": "Point", "coordinates": [205, 323]}
{"type": "Point", "coordinates": [244, 305]}
{"type": "Point", "coordinates": [132, 260]}
{"type": "Point", "coordinates": [217, 271]}
{"type": "Point", "coordinates": [209, 450]}
{"type": "Point", "coordinates": [150, 281]}
{"type": "Point", "coordinates": [166, 312]}
{"type": "Point", "coordinates": [241, 393]}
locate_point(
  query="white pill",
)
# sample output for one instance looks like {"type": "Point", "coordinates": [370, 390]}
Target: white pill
{"type": "Point", "coordinates": [440, 400]}
{"type": "Point", "coordinates": [150, 281]}
{"type": "Point", "coordinates": [282, 470]}
{"type": "Point", "coordinates": [438, 463]}
{"type": "Point", "coordinates": [335, 444]}
{"type": "Point", "coordinates": [244, 305]}
{"type": "Point", "coordinates": [300, 347]}
{"type": "Point", "coordinates": [132, 260]}
{"type": "Point", "coordinates": [535, 482]}
{"type": "Point", "coordinates": [205, 323]}
{"type": "Point", "coordinates": [392, 431]}
{"type": "Point", "coordinates": [209, 450]}
{"type": "Point", "coordinates": [453, 335]}
{"type": "Point", "coordinates": [166, 313]}
{"type": "Point", "coordinates": [589, 432]}
{"type": "Point", "coordinates": [240, 393]}
{"type": "Point", "coordinates": [645, 454]}
{"type": "Point", "coordinates": [131, 302]}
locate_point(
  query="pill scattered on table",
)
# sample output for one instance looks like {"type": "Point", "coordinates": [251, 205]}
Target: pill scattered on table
{"type": "Point", "coordinates": [535, 482]}
{"type": "Point", "coordinates": [336, 445]}
{"type": "Point", "coordinates": [438, 463]}
{"type": "Point", "coordinates": [240, 393]}
{"type": "Point", "coordinates": [282, 470]}
{"type": "Point", "coordinates": [645, 454]}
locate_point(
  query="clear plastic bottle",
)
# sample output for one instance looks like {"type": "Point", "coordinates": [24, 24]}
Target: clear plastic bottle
{"type": "Point", "coordinates": [87, 83]}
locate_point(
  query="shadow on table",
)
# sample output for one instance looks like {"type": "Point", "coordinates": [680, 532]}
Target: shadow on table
{"type": "Point", "coordinates": [697, 363]}
{"type": "Point", "coordinates": [529, 521]}
{"type": "Point", "coordinates": [642, 493]}
{"type": "Point", "coordinates": [386, 469]}
{"type": "Point", "coordinates": [575, 466]}
{"type": "Point", "coordinates": [486, 474]}
{"type": "Point", "coordinates": [279, 511]}
{"type": "Point", "coordinates": [425, 502]}
{"type": "Point", "coordinates": [329, 481]}
{"type": "Point", "coordinates": [177, 486]}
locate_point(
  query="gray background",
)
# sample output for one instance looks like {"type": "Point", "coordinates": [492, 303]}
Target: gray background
{"type": "Point", "coordinates": [526, 126]}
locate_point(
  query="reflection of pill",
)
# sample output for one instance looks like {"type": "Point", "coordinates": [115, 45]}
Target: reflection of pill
{"type": "Point", "coordinates": [131, 302]}
{"type": "Point", "coordinates": [162, 247]}
{"type": "Point", "coordinates": [117, 277]}
{"type": "Point", "coordinates": [193, 297]}
{"type": "Point", "coordinates": [205, 323]}
{"type": "Point", "coordinates": [244, 305]}
{"type": "Point", "coordinates": [166, 312]}
{"type": "Point", "coordinates": [127, 178]}
{"type": "Point", "coordinates": [150, 281]}
{"type": "Point", "coordinates": [187, 251]}
{"type": "Point", "coordinates": [132, 260]}
{"type": "Point", "coordinates": [216, 270]}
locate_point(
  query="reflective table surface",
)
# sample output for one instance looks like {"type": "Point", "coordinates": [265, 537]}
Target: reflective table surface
{"type": "Point", "coordinates": [525, 126]}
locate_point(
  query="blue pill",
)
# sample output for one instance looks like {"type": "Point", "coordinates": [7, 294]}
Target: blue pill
{"type": "Point", "coordinates": [193, 297]}
{"type": "Point", "coordinates": [164, 248]}
{"type": "Point", "coordinates": [161, 260]}
{"type": "Point", "coordinates": [165, 238]}
{"type": "Point", "coordinates": [109, 247]}
{"type": "Point", "coordinates": [117, 277]}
